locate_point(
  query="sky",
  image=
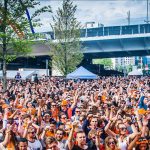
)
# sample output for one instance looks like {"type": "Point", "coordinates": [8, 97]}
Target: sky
{"type": "Point", "coordinates": [106, 12]}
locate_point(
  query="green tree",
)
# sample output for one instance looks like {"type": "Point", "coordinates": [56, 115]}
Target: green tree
{"type": "Point", "coordinates": [66, 51]}
{"type": "Point", "coordinates": [15, 39]}
{"type": "Point", "coordinates": [104, 61]}
{"type": "Point", "coordinates": [129, 68]}
{"type": "Point", "coordinates": [120, 68]}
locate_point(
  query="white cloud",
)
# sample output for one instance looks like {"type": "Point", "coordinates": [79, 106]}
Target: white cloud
{"type": "Point", "coordinates": [108, 12]}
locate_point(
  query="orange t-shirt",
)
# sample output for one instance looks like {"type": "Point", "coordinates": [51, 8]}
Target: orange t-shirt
{"type": "Point", "coordinates": [19, 106]}
{"type": "Point", "coordinates": [103, 98]}
{"type": "Point", "coordinates": [55, 113]}
{"type": "Point", "coordinates": [32, 111]}
{"type": "Point", "coordinates": [69, 112]}
{"type": "Point", "coordinates": [49, 134]}
{"type": "Point", "coordinates": [10, 146]}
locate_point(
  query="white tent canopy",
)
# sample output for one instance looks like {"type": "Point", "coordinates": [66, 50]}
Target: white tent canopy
{"type": "Point", "coordinates": [81, 73]}
{"type": "Point", "coordinates": [135, 73]}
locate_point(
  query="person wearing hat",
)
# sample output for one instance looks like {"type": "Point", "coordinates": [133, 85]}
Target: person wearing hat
{"type": "Point", "coordinates": [54, 111]}
{"type": "Point", "coordinates": [64, 107]}
{"type": "Point", "coordinates": [49, 131]}
{"type": "Point", "coordinates": [46, 119]}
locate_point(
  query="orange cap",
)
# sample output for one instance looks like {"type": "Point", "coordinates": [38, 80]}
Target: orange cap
{"type": "Point", "coordinates": [32, 111]}
{"type": "Point", "coordinates": [19, 106]}
{"type": "Point", "coordinates": [4, 106]}
{"type": "Point", "coordinates": [49, 134]}
{"type": "Point", "coordinates": [24, 109]}
{"type": "Point", "coordinates": [142, 111]}
{"type": "Point", "coordinates": [64, 103]}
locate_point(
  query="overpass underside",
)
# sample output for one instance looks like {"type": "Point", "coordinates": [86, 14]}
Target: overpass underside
{"type": "Point", "coordinates": [106, 46]}
{"type": "Point", "coordinates": [117, 47]}
{"type": "Point", "coordinates": [115, 54]}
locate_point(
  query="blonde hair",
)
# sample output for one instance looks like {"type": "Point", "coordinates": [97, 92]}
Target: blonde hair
{"type": "Point", "coordinates": [93, 131]}
{"type": "Point", "coordinates": [107, 145]}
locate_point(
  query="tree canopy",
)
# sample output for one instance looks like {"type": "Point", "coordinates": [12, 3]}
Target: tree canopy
{"type": "Point", "coordinates": [66, 51]}
{"type": "Point", "coordinates": [104, 61]}
{"type": "Point", "coordinates": [15, 35]}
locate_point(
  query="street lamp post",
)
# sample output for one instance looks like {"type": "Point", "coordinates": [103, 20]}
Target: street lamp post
{"type": "Point", "coordinates": [141, 63]}
{"type": "Point", "coordinates": [47, 74]}
{"type": "Point", "coordinates": [91, 23]}
{"type": "Point", "coordinates": [128, 18]}
{"type": "Point", "coordinates": [147, 13]}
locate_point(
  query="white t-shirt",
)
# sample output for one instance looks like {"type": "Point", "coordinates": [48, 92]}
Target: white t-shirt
{"type": "Point", "coordinates": [2, 147]}
{"type": "Point", "coordinates": [62, 145]}
{"type": "Point", "coordinates": [36, 145]}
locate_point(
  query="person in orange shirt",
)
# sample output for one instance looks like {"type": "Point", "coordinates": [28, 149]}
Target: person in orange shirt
{"type": "Point", "coordinates": [64, 107]}
{"type": "Point", "coordinates": [103, 97]}
{"type": "Point", "coordinates": [54, 111]}
{"type": "Point", "coordinates": [9, 140]}
{"type": "Point", "coordinates": [49, 131]}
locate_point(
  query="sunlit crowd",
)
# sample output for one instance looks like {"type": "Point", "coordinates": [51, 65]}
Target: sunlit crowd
{"type": "Point", "coordinates": [110, 113]}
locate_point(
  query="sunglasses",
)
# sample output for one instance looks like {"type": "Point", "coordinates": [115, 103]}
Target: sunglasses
{"type": "Point", "coordinates": [111, 143]}
{"type": "Point", "coordinates": [59, 133]}
{"type": "Point", "coordinates": [78, 111]}
{"type": "Point", "coordinates": [31, 132]}
{"type": "Point", "coordinates": [64, 118]}
{"type": "Point", "coordinates": [123, 103]}
{"type": "Point", "coordinates": [54, 146]}
{"type": "Point", "coordinates": [46, 115]}
{"type": "Point", "coordinates": [101, 114]}
{"type": "Point", "coordinates": [67, 131]}
{"type": "Point", "coordinates": [123, 128]}
{"type": "Point", "coordinates": [93, 137]}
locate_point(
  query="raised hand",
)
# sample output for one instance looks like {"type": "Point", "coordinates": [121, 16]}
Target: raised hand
{"type": "Point", "coordinates": [145, 121]}
{"type": "Point", "coordinates": [74, 124]}
{"type": "Point", "coordinates": [29, 123]}
{"type": "Point", "coordinates": [9, 128]}
{"type": "Point", "coordinates": [99, 132]}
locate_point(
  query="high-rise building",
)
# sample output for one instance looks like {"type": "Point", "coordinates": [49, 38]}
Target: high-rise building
{"type": "Point", "coordinates": [124, 61]}
{"type": "Point", "coordinates": [133, 61]}
{"type": "Point", "coordinates": [145, 60]}
{"type": "Point", "coordinates": [148, 60]}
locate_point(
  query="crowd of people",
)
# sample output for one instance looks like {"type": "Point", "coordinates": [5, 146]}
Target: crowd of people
{"type": "Point", "coordinates": [111, 113]}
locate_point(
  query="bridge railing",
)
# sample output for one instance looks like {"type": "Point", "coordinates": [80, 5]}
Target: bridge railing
{"type": "Point", "coordinates": [116, 30]}
{"type": "Point", "coordinates": [108, 31]}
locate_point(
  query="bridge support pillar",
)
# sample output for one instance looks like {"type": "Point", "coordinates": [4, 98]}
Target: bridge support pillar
{"type": "Point", "coordinates": [86, 61]}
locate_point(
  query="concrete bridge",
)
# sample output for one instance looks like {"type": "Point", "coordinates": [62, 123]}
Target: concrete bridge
{"type": "Point", "coordinates": [103, 42]}
{"type": "Point", "coordinates": [112, 41]}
